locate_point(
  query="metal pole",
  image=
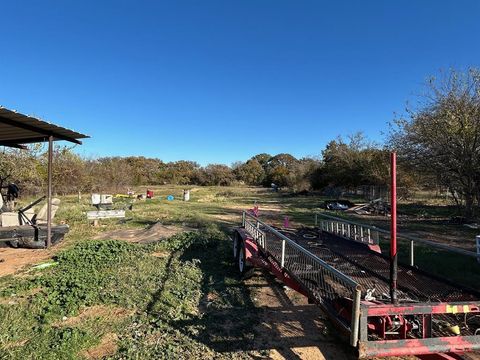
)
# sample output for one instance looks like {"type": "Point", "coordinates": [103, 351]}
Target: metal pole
{"type": "Point", "coordinates": [478, 247]}
{"type": "Point", "coordinates": [412, 253]}
{"type": "Point", "coordinates": [393, 229]}
{"type": "Point", "coordinates": [355, 317]}
{"type": "Point", "coordinates": [282, 261]}
{"type": "Point", "coordinates": [49, 192]}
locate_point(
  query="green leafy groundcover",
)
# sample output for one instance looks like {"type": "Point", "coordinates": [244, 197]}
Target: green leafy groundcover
{"type": "Point", "coordinates": [160, 291]}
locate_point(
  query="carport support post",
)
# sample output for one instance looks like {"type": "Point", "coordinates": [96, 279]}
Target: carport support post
{"type": "Point", "coordinates": [49, 192]}
{"type": "Point", "coordinates": [393, 228]}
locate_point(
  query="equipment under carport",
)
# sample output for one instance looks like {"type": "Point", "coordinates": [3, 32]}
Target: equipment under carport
{"type": "Point", "coordinates": [23, 228]}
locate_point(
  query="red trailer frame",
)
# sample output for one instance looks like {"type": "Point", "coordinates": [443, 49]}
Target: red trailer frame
{"type": "Point", "coordinates": [362, 321]}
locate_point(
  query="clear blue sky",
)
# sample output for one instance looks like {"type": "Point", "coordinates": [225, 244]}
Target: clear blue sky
{"type": "Point", "coordinates": [219, 81]}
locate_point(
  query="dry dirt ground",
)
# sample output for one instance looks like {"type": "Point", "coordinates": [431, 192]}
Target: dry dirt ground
{"type": "Point", "coordinates": [107, 347]}
{"type": "Point", "coordinates": [108, 344]}
{"type": "Point", "coordinates": [290, 327]}
{"type": "Point", "coordinates": [12, 260]}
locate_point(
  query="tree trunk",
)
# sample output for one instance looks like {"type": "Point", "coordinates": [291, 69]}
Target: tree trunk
{"type": "Point", "coordinates": [469, 203]}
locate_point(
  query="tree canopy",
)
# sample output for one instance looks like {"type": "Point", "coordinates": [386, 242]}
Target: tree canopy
{"type": "Point", "coordinates": [441, 136]}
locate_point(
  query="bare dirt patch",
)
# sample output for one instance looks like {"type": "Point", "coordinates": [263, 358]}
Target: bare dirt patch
{"type": "Point", "coordinates": [12, 260]}
{"type": "Point", "coordinates": [153, 233]}
{"type": "Point", "coordinates": [290, 327]}
{"type": "Point", "coordinates": [107, 347]}
{"type": "Point", "coordinates": [160, 254]}
{"type": "Point", "coordinates": [15, 344]}
{"type": "Point", "coordinates": [106, 313]}
{"type": "Point", "coordinates": [15, 299]}
{"type": "Point", "coordinates": [229, 218]}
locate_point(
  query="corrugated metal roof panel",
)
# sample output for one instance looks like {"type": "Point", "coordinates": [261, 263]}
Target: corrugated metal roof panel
{"type": "Point", "coordinates": [17, 128]}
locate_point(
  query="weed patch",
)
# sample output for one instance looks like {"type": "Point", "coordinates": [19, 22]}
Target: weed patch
{"type": "Point", "coordinates": [164, 294]}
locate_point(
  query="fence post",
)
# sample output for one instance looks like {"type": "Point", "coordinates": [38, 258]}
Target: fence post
{"type": "Point", "coordinates": [478, 248]}
{"type": "Point", "coordinates": [243, 218]}
{"type": "Point", "coordinates": [282, 262]}
{"type": "Point", "coordinates": [316, 220]}
{"type": "Point", "coordinates": [412, 253]}
{"type": "Point", "coordinates": [355, 317]}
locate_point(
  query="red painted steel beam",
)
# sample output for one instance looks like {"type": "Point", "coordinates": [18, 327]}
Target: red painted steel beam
{"type": "Point", "coordinates": [418, 309]}
{"type": "Point", "coordinates": [450, 345]}
{"type": "Point", "coordinates": [256, 259]}
{"type": "Point", "coordinates": [393, 229]}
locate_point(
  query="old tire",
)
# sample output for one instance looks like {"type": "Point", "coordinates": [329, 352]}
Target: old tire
{"type": "Point", "coordinates": [236, 245]}
{"type": "Point", "coordinates": [13, 243]}
{"type": "Point", "coordinates": [243, 268]}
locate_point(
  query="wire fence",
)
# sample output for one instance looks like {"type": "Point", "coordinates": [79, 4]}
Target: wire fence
{"type": "Point", "coordinates": [456, 264]}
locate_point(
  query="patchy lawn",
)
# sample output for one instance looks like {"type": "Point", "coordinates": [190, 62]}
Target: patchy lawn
{"type": "Point", "coordinates": [162, 284]}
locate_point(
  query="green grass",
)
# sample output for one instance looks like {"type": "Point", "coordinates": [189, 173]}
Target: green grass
{"type": "Point", "coordinates": [178, 298]}
{"type": "Point", "coordinates": [164, 294]}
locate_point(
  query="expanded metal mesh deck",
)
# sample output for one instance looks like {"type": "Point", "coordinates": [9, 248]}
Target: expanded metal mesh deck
{"type": "Point", "coordinates": [367, 268]}
{"type": "Point", "coordinates": [372, 270]}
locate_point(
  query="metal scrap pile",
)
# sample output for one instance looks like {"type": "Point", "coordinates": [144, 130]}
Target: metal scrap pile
{"type": "Point", "coordinates": [374, 207]}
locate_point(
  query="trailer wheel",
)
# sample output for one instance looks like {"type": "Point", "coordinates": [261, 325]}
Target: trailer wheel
{"type": "Point", "coordinates": [236, 245]}
{"type": "Point", "coordinates": [242, 260]}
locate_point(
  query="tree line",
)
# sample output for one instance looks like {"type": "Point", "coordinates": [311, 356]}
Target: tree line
{"type": "Point", "coordinates": [343, 164]}
{"type": "Point", "coordinates": [437, 140]}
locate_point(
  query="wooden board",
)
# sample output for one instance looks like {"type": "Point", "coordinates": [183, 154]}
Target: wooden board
{"type": "Point", "coordinates": [105, 214]}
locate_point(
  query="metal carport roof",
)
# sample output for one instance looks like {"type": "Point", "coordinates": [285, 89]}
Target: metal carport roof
{"type": "Point", "coordinates": [17, 129]}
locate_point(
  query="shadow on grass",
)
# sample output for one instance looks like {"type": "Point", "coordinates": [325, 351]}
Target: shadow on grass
{"type": "Point", "coordinates": [423, 210]}
{"type": "Point", "coordinates": [231, 322]}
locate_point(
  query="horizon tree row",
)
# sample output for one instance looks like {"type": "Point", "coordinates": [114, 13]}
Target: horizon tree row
{"type": "Point", "coordinates": [437, 140]}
